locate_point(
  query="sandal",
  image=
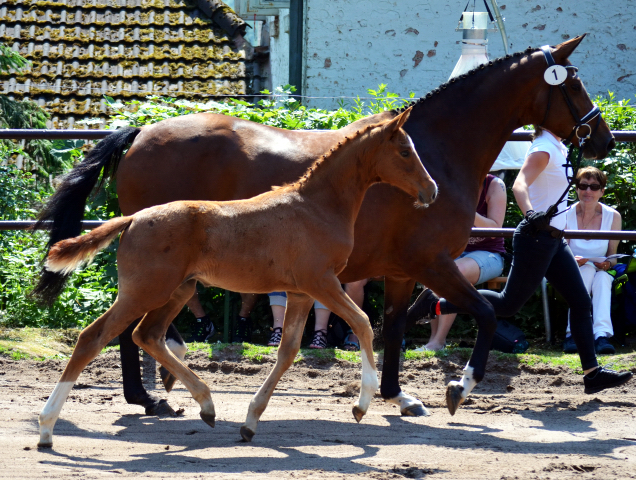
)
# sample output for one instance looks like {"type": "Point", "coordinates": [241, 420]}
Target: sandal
{"type": "Point", "coordinates": [274, 339]}
{"type": "Point", "coordinates": [349, 345]}
{"type": "Point", "coordinates": [320, 340]}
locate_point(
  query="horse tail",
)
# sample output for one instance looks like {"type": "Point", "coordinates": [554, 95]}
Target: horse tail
{"type": "Point", "coordinates": [65, 208]}
{"type": "Point", "coordinates": [66, 255]}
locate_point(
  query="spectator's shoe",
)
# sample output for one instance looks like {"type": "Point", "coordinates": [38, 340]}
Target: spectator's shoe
{"type": "Point", "coordinates": [603, 378]}
{"type": "Point", "coordinates": [569, 346]}
{"type": "Point", "coordinates": [424, 306]}
{"type": "Point", "coordinates": [203, 330]}
{"type": "Point", "coordinates": [603, 346]}
{"type": "Point", "coordinates": [243, 331]}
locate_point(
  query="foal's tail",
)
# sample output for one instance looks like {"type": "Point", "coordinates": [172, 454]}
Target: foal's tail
{"type": "Point", "coordinates": [66, 255]}
{"type": "Point", "coordinates": [65, 208]}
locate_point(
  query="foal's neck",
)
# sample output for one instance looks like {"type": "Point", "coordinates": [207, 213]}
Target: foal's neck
{"type": "Point", "coordinates": [344, 174]}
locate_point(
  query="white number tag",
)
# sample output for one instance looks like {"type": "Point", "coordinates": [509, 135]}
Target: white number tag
{"type": "Point", "coordinates": [555, 75]}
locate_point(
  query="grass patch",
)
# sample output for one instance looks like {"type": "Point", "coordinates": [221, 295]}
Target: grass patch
{"type": "Point", "coordinates": [37, 343]}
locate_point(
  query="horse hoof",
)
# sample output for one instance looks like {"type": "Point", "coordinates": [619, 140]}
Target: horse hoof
{"type": "Point", "coordinates": [167, 378]}
{"type": "Point", "coordinates": [415, 411]}
{"type": "Point", "coordinates": [208, 418]}
{"type": "Point", "coordinates": [454, 397]}
{"type": "Point", "coordinates": [161, 409]}
{"type": "Point", "coordinates": [45, 444]}
{"type": "Point", "coordinates": [357, 413]}
{"type": "Point", "coordinates": [247, 434]}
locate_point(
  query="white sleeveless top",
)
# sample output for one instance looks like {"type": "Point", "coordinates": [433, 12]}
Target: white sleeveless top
{"type": "Point", "coordinates": [551, 182]}
{"type": "Point", "coordinates": [590, 248]}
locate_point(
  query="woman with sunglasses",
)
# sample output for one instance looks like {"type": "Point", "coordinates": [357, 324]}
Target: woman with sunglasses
{"type": "Point", "coordinates": [539, 250]}
{"type": "Point", "coordinates": [589, 214]}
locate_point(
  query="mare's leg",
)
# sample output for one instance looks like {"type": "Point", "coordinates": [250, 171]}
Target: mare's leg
{"type": "Point", "coordinates": [331, 294]}
{"type": "Point", "coordinates": [90, 342]}
{"type": "Point", "coordinates": [149, 335]}
{"type": "Point", "coordinates": [397, 293]}
{"type": "Point", "coordinates": [298, 306]}
{"type": "Point", "coordinates": [177, 346]}
{"type": "Point", "coordinates": [134, 391]}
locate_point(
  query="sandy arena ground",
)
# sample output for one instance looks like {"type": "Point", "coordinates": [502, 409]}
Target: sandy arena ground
{"type": "Point", "coordinates": [520, 423]}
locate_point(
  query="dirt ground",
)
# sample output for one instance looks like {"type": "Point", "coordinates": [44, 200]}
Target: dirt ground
{"type": "Point", "coordinates": [520, 423]}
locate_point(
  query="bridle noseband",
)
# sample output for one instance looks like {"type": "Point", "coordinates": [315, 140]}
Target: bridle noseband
{"type": "Point", "coordinates": [579, 123]}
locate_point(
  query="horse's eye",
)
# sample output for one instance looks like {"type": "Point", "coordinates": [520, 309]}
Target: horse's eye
{"type": "Point", "coordinates": [576, 86]}
{"type": "Point", "coordinates": [404, 153]}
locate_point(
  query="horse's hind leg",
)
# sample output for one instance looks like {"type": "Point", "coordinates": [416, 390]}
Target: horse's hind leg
{"type": "Point", "coordinates": [177, 346]}
{"type": "Point", "coordinates": [149, 335]}
{"type": "Point", "coordinates": [298, 306]}
{"type": "Point", "coordinates": [91, 341]}
{"type": "Point", "coordinates": [334, 298]}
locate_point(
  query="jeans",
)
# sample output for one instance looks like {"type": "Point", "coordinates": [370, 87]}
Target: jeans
{"type": "Point", "coordinates": [537, 255]}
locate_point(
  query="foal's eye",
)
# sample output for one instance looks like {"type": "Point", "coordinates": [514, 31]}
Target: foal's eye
{"type": "Point", "coordinates": [404, 153]}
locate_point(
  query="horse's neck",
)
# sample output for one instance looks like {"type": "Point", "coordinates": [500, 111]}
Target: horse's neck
{"type": "Point", "coordinates": [340, 181]}
{"type": "Point", "coordinates": [474, 118]}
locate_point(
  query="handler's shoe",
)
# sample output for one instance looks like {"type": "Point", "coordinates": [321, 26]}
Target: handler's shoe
{"type": "Point", "coordinates": [424, 306]}
{"type": "Point", "coordinates": [603, 378]}
{"type": "Point", "coordinates": [203, 331]}
{"type": "Point", "coordinates": [243, 331]}
{"type": "Point", "coordinates": [569, 346]}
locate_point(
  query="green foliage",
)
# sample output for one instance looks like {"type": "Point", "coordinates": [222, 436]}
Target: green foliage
{"type": "Point", "coordinates": [11, 60]}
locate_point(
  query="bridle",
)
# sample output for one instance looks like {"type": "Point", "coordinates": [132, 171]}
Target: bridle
{"type": "Point", "coordinates": [580, 122]}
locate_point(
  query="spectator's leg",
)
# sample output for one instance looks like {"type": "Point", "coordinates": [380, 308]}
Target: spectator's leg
{"type": "Point", "coordinates": [601, 304]}
{"type": "Point", "coordinates": [278, 302]}
{"type": "Point", "coordinates": [587, 274]}
{"type": "Point", "coordinates": [319, 339]}
{"type": "Point", "coordinates": [355, 290]}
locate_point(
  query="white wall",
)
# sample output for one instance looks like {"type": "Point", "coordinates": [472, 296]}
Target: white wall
{"type": "Point", "coordinates": [279, 49]}
{"type": "Point", "coordinates": [411, 45]}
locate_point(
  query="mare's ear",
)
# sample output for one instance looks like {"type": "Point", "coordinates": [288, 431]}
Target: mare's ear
{"type": "Point", "coordinates": [565, 49]}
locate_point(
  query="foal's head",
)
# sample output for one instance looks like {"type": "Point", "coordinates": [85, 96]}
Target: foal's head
{"type": "Point", "coordinates": [398, 162]}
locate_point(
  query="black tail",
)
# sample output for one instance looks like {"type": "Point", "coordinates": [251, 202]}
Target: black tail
{"type": "Point", "coordinates": [65, 209]}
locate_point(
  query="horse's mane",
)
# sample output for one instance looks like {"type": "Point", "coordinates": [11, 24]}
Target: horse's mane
{"type": "Point", "coordinates": [311, 171]}
{"type": "Point", "coordinates": [460, 78]}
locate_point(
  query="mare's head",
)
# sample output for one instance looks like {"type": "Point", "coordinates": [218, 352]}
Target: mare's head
{"type": "Point", "coordinates": [398, 162]}
{"type": "Point", "coordinates": [566, 107]}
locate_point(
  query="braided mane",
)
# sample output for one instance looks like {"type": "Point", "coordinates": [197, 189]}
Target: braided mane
{"type": "Point", "coordinates": [311, 171]}
{"type": "Point", "coordinates": [459, 79]}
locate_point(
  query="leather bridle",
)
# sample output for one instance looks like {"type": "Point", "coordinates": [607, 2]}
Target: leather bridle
{"type": "Point", "coordinates": [580, 122]}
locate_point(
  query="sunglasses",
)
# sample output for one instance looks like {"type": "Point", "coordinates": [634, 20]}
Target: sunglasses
{"type": "Point", "coordinates": [595, 187]}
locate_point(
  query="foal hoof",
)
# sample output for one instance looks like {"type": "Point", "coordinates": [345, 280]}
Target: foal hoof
{"type": "Point", "coordinates": [247, 434]}
{"type": "Point", "coordinates": [454, 397]}
{"type": "Point", "coordinates": [208, 418]}
{"type": "Point", "coordinates": [167, 378]}
{"type": "Point", "coordinates": [357, 413]}
{"type": "Point", "coordinates": [45, 444]}
{"type": "Point", "coordinates": [161, 409]}
{"type": "Point", "coordinates": [415, 411]}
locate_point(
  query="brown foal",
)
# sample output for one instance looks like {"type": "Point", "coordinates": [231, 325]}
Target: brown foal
{"type": "Point", "coordinates": [296, 238]}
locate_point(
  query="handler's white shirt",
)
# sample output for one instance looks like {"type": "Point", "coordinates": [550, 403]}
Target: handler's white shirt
{"type": "Point", "coordinates": [551, 182]}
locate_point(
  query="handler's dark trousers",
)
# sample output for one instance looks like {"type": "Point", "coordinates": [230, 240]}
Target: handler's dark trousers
{"type": "Point", "coordinates": [538, 255]}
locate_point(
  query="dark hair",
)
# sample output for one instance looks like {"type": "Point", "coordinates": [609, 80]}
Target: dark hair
{"type": "Point", "coordinates": [537, 132]}
{"type": "Point", "coordinates": [591, 173]}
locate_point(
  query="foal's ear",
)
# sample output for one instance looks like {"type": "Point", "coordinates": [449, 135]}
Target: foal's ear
{"type": "Point", "coordinates": [565, 49]}
{"type": "Point", "coordinates": [401, 119]}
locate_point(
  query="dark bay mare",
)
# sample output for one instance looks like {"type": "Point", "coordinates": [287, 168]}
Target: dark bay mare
{"type": "Point", "coordinates": [458, 130]}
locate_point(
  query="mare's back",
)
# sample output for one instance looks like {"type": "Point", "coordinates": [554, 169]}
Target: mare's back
{"type": "Point", "coordinates": [213, 157]}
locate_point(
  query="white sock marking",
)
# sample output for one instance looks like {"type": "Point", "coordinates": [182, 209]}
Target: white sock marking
{"type": "Point", "coordinates": [51, 411]}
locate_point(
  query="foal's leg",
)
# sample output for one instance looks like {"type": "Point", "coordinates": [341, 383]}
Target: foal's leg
{"type": "Point", "coordinates": [149, 335]}
{"type": "Point", "coordinates": [331, 294]}
{"type": "Point", "coordinates": [397, 294]}
{"type": "Point", "coordinates": [90, 342]}
{"type": "Point", "coordinates": [298, 306]}
{"type": "Point", "coordinates": [177, 346]}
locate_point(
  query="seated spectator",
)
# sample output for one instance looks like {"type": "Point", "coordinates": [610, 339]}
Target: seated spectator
{"type": "Point", "coordinates": [589, 214]}
{"type": "Point", "coordinates": [481, 260]}
{"type": "Point", "coordinates": [278, 302]}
